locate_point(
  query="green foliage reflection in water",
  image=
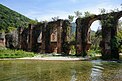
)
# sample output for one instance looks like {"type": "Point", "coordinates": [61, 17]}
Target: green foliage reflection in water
{"type": "Point", "coordinates": [35, 70]}
{"type": "Point", "coordinates": [23, 70]}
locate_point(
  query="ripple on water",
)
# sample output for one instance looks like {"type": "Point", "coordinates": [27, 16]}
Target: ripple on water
{"type": "Point", "coordinates": [96, 73]}
{"type": "Point", "coordinates": [73, 74]}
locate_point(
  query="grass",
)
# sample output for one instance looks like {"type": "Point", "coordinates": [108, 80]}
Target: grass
{"type": "Point", "coordinates": [8, 53]}
{"type": "Point", "coordinates": [120, 57]}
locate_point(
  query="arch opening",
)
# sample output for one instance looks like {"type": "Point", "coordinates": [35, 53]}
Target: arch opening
{"type": "Point", "coordinates": [119, 34]}
{"type": "Point", "coordinates": [72, 39]}
{"type": "Point", "coordinates": [120, 24]}
{"type": "Point", "coordinates": [95, 36]}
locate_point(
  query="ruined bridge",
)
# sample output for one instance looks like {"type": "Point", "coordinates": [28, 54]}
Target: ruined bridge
{"type": "Point", "coordinates": [109, 24]}
{"type": "Point", "coordinates": [55, 36]}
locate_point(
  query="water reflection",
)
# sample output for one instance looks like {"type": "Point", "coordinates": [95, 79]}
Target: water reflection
{"type": "Point", "coordinates": [32, 70]}
{"type": "Point", "coordinates": [73, 74]}
{"type": "Point", "coordinates": [96, 74]}
{"type": "Point", "coordinates": [106, 71]}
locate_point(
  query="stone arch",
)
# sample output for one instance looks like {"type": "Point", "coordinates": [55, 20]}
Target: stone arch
{"type": "Point", "coordinates": [119, 21]}
{"type": "Point", "coordinates": [91, 21]}
{"type": "Point", "coordinates": [119, 33]}
{"type": "Point", "coordinates": [96, 22]}
{"type": "Point", "coordinates": [94, 35]}
{"type": "Point", "coordinates": [119, 24]}
{"type": "Point", "coordinates": [83, 25]}
{"type": "Point", "coordinates": [82, 33]}
{"type": "Point", "coordinates": [119, 15]}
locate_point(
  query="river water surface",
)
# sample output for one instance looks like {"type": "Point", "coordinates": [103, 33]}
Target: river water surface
{"type": "Point", "coordinates": [35, 70]}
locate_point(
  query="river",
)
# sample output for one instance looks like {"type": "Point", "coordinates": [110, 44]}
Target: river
{"type": "Point", "coordinates": [36, 70]}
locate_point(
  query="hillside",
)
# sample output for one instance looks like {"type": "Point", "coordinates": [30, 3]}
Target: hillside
{"type": "Point", "coordinates": [10, 19]}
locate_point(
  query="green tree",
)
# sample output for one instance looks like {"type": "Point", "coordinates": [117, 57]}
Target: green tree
{"type": "Point", "coordinates": [71, 18]}
{"type": "Point", "coordinates": [10, 19]}
{"type": "Point", "coordinates": [87, 14]}
{"type": "Point", "coordinates": [78, 14]}
{"type": "Point", "coordinates": [10, 29]}
{"type": "Point", "coordinates": [33, 21]}
{"type": "Point", "coordinates": [102, 11]}
{"type": "Point", "coordinates": [55, 18]}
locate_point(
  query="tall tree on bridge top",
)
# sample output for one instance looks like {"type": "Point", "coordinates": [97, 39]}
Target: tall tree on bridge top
{"type": "Point", "coordinates": [55, 18]}
{"type": "Point", "coordinates": [78, 14]}
{"type": "Point", "coordinates": [70, 17]}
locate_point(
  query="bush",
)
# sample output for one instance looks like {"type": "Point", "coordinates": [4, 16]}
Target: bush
{"type": "Point", "coordinates": [93, 53]}
{"type": "Point", "coordinates": [7, 53]}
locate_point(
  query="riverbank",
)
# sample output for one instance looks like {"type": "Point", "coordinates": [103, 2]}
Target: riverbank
{"type": "Point", "coordinates": [8, 54]}
{"type": "Point", "coordinates": [55, 58]}
{"type": "Point", "coordinates": [58, 58]}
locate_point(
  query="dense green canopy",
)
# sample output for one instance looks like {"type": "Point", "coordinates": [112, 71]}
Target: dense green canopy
{"type": "Point", "coordinates": [10, 19]}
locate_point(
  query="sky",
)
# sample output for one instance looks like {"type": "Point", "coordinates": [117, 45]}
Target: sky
{"type": "Point", "coordinates": [46, 9]}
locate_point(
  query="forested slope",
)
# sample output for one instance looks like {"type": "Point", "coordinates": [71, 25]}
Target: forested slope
{"type": "Point", "coordinates": [10, 19]}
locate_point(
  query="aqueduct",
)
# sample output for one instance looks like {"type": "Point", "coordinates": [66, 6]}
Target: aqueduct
{"type": "Point", "coordinates": [54, 36]}
{"type": "Point", "coordinates": [45, 37]}
{"type": "Point", "coordinates": [109, 23]}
